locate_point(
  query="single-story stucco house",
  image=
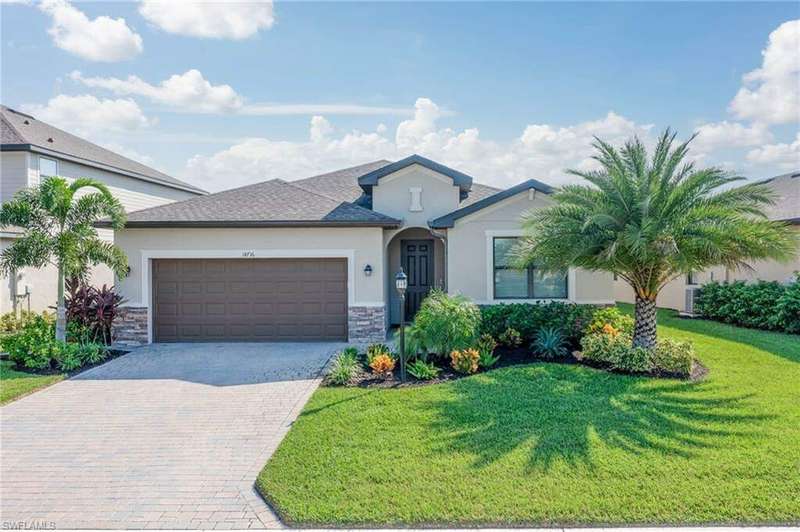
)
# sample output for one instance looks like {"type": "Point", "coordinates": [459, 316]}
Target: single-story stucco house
{"type": "Point", "coordinates": [679, 293]}
{"type": "Point", "coordinates": [31, 150]}
{"type": "Point", "coordinates": [315, 258]}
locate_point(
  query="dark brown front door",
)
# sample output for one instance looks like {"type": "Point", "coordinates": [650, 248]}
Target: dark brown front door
{"type": "Point", "coordinates": [204, 300]}
{"type": "Point", "coordinates": [417, 259]}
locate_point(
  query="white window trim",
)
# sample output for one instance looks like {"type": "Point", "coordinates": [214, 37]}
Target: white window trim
{"type": "Point", "coordinates": [39, 165]}
{"type": "Point", "coordinates": [491, 300]}
{"type": "Point", "coordinates": [147, 255]}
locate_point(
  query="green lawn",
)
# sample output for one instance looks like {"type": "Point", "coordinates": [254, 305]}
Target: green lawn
{"type": "Point", "coordinates": [552, 444]}
{"type": "Point", "coordinates": [15, 384]}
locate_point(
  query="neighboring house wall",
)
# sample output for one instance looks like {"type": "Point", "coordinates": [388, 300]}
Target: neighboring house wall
{"type": "Point", "coordinates": [21, 169]}
{"type": "Point", "coordinates": [469, 258]}
{"type": "Point", "coordinates": [360, 245]}
{"type": "Point", "coordinates": [394, 195]}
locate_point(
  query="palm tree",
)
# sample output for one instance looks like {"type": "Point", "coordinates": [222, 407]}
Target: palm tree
{"type": "Point", "coordinates": [650, 220]}
{"type": "Point", "coordinates": [59, 229]}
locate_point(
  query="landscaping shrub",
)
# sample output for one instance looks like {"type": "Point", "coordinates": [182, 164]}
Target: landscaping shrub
{"type": "Point", "coordinates": [447, 323]}
{"type": "Point", "coordinates": [92, 308]}
{"type": "Point", "coordinates": [604, 317]}
{"type": "Point", "coordinates": [510, 337]}
{"type": "Point", "coordinates": [760, 305]}
{"type": "Point", "coordinates": [673, 356]}
{"type": "Point", "coordinates": [382, 364]}
{"type": "Point", "coordinates": [12, 322]}
{"type": "Point", "coordinates": [344, 367]}
{"type": "Point", "coordinates": [415, 343]}
{"type": "Point", "coordinates": [465, 360]}
{"type": "Point", "coordinates": [486, 346]}
{"type": "Point", "coordinates": [422, 370]}
{"type": "Point", "coordinates": [550, 343]}
{"type": "Point", "coordinates": [374, 350]}
{"type": "Point", "coordinates": [529, 318]}
{"type": "Point", "coordinates": [615, 351]}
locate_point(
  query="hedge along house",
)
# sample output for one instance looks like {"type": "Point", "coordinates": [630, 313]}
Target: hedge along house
{"type": "Point", "coordinates": [315, 259]}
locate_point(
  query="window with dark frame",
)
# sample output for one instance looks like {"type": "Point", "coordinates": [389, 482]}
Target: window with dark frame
{"type": "Point", "coordinates": [510, 283]}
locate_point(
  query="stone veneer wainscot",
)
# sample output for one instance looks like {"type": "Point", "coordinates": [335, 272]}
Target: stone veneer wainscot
{"type": "Point", "coordinates": [130, 326]}
{"type": "Point", "coordinates": [366, 324]}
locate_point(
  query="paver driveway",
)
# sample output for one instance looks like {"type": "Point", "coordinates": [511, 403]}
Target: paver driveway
{"type": "Point", "coordinates": [168, 436]}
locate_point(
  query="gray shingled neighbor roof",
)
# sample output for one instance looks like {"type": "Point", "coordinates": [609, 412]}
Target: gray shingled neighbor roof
{"type": "Point", "coordinates": [22, 132]}
{"type": "Point", "coordinates": [274, 203]}
{"type": "Point", "coordinates": [787, 203]}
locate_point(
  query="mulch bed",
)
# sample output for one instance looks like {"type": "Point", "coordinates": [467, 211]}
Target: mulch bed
{"type": "Point", "coordinates": [508, 357]}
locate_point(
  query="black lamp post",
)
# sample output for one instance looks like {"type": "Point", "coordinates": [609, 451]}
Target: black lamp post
{"type": "Point", "coordinates": [401, 283]}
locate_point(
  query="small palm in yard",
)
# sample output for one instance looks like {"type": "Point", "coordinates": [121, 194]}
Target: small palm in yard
{"type": "Point", "coordinates": [651, 219]}
{"type": "Point", "coordinates": [58, 221]}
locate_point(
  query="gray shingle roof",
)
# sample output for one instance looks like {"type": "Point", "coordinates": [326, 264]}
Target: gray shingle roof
{"type": "Point", "coordinates": [19, 131]}
{"type": "Point", "coordinates": [787, 203]}
{"type": "Point", "coordinates": [341, 184]}
{"type": "Point", "coordinates": [270, 203]}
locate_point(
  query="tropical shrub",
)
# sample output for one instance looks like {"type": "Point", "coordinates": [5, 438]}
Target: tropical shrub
{"type": "Point", "coordinates": [447, 323]}
{"type": "Point", "coordinates": [34, 345]}
{"type": "Point", "coordinates": [615, 351]}
{"type": "Point", "coordinates": [374, 350]}
{"type": "Point", "coordinates": [344, 367]}
{"type": "Point", "coordinates": [610, 316]}
{"type": "Point", "coordinates": [424, 371]}
{"type": "Point", "coordinates": [529, 318]}
{"type": "Point", "coordinates": [382, 364]}
{"type": "Point", "coordinates": [12, 322]}
{"type": "Point", "coordinates": [550, 343]}
{"type": "Point", "coordinates": [510, 337]}
{"type": "Point", "coordinates": [415, 343]}
{"type": "Point", "coordinates": [673, 356]}
{"type": "Point", "coordinates": [760, 305]}
{"type": "Point", "coordinates": [486, 346]}
{"type": "Point", "coordinates": [465, 360]}
{"type": "Point", "coordinates": [95, 309]}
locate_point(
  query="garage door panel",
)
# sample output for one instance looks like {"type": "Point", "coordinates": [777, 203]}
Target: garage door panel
{"type": "Point", "coordinates": [249, 299]}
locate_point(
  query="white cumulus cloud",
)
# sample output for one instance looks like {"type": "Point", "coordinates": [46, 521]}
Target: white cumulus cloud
{"type": "Point", "coordinates": [89, 116]}
{"type": "Point", "coordinates": [541, 151]}
{"type": "Point", "coordinates": [785, 155]}
{"type": "Point", "coordinates": [217, 19]}
{"type": "Point", "coordinates": [771, 93]}
{"type": "Point", "coordinates": [726, 135]}
{"type": "Point", "coordinates": [188, 91]}
{"type": "Point", "coordinates": [103, 39]}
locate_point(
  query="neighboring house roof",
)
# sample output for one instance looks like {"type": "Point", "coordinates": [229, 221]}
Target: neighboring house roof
{"type": "Point", "coordinates": [448, 220]}
{"type": "Point", "coordinates": [22, 132]}
{"type": "Point", "coordinates": [462, 180]}
{"type": "Point", "coordinates": [274, 203]}
{"type": "Point", "coordinates": [787, 203]}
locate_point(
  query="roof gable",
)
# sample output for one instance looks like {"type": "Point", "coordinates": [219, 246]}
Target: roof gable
{"type": "Point", "coordinates": [460, 179]}
{"type": "Point", "coordinates": [448, 220]}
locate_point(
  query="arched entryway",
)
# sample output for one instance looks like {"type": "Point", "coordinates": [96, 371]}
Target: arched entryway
{"type": "Point", "coordinates": [421, 253]}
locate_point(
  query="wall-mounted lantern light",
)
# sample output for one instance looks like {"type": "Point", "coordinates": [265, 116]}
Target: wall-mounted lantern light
{"type": "Point", "coordinates": [127, 271]}
{"type": "Point", "coordinates": [367, 270]}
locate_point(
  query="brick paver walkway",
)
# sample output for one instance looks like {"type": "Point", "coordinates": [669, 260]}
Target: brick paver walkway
{"type": "Point", "coordinates": [168, 436]}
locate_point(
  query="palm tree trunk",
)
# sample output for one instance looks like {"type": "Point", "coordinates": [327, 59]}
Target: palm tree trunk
{"type": "Point", "coordinates": [644, 331]}
{"type": "Point", "coordinates": [61, 311]}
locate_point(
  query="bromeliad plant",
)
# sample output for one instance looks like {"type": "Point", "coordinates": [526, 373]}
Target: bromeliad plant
{"type": "Point", "coordinates": [651, 219]}
{"type": "Point", "coordinates": [58, 225]}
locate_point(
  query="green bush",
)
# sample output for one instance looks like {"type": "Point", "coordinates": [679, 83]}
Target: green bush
{"type": "Point", "coordinates": [510, 337]}
{"type": "Point", "coordinates": [610, 316]}
{"type": "Point", "coordinates": [529, 318]}
{"type": "Point", "coordinates": [673, 356]}
{"type": "Point", "coordinates": [550, 343]}
{"type": "Point", "coordinates": [447, 323]}
{"type": "Point", "coordinates": [615, 351]}
{"type": "Point", "coordinates": [424, 371]}
{"type": "Point", "coordinates": [760, 305]}
{"type": "Point", "coordinates": [486, 346]}
{"type": "Point", "coordinates": [12, 322]}
{"type": "Point", "coordinates": [374, 350]}
{"type": "Point", "coordinates": [345, 367]}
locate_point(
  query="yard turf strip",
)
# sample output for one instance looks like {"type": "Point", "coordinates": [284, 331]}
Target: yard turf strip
{"type": "Point", "coordinates": [550, 444]}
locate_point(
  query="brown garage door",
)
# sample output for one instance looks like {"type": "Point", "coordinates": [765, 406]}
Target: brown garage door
{"type": "Point", "coordinates": [204, 300]}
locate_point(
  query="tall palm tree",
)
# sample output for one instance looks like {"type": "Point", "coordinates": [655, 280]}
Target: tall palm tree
{"type": "Point", "coordinates": [58, 225]}
{"type": "Point", "coordinates": [651, 219]}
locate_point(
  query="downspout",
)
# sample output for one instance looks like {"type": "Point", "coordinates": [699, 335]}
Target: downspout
{"type": "Point", "coordinates": [442, 236]}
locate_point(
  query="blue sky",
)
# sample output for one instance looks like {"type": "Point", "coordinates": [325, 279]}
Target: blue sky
{"type": "Point", "coordinates": [505, 91]}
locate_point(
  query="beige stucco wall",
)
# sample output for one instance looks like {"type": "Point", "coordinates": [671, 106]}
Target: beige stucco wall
{"type": "Point", "coordinates": [21, 169]}
{"type": "Point", "coordinates": [364, 245]}
{"type": "Point", "coordinates": [469, 253]}
{"type": "Point", "coordinates": [392, 195]}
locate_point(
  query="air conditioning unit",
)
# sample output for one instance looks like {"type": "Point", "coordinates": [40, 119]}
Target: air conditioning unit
{"type": "Point", "coordinates": [691, 296]}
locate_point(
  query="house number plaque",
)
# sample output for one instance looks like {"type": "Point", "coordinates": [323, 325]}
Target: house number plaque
{"type": "Point", "coordinates": [248, 253]}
